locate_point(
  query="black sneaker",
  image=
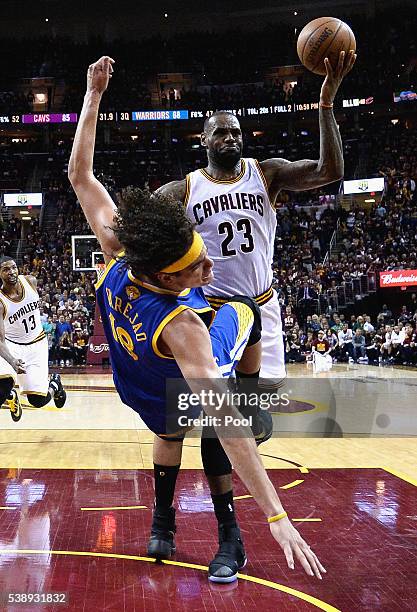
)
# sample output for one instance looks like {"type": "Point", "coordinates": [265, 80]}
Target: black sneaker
{"type": "Point", "coordinates": [15, 407]}
{"type": "Point", "coordinates": [230, 557]}
{"type": "Point", "coordinates": [262, 426]}
{"type": "Point", "coordinates": [60, 395]}
{"type": "Point", "coordinates": [161, 544]}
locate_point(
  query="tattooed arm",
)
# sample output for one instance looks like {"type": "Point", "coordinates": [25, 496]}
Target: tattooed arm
{"type": "Point", "coordinates": [309, 174]}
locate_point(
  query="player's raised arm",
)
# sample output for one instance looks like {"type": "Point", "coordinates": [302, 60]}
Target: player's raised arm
{"type": "Point", "coordinates": [96, 203]}
{"type": "Point", "coordinates": [306, 173]}
{"type": "Point", "coordinates": [203, 375]}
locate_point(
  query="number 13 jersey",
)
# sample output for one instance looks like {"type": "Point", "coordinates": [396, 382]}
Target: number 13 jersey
{"type": "Point", "coordinates": [22, 319]}
{"type": "Point", "coordinates": [237, 222]}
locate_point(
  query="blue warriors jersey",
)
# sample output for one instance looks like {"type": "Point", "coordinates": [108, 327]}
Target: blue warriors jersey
{"type": "Point", "coordinates": [134, 315]}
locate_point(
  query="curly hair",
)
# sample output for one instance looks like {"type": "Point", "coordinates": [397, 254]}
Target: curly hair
{"type": "Point", "coordinates": [152, 228]}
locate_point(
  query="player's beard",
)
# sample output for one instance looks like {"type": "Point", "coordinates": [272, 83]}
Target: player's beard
{"type": "Point", "coordinates": [227, 159]}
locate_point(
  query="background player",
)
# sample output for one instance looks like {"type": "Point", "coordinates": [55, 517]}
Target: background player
{"type": "Point", "coordinates": [23, 344]}
{"type": "Point", "coordinates": [232, 201]}
{"type": "Point", "coordinates": [155, 332]}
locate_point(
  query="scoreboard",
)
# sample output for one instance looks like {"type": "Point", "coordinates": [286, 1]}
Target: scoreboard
{"type": "Point", "coordinates": [177, 115]}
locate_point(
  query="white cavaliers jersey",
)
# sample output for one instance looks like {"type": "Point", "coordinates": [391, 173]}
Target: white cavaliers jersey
{"type": "Point", "coordinates": [22, 319]}
{"type": "Point", "coordinates": [237, 223]}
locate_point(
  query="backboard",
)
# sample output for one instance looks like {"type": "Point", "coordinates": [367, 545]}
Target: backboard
{"type": "Point", "coordinates": [86, 253]}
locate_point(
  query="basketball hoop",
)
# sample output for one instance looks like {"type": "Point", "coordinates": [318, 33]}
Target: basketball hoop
{"type": "Point", "coordinates": [100, 269]}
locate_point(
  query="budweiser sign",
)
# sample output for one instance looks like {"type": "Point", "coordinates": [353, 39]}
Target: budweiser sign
{"type": "Point", "coordinates": [398, 278]}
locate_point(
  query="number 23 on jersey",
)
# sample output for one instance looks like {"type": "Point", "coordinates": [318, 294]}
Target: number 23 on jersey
{"type": "Point", "coordinates": [242, 230]}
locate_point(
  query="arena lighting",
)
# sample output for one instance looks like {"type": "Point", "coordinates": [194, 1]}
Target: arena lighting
{"type": "Point", "coordinates": [26, 218]}
{"type": "Point", "coordinates": [371, 200]}
{"type": "Point", "coordinates": [23, 212]}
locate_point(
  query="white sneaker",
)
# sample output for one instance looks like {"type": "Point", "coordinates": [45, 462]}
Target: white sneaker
{"type": "Point", "coordinates": [351, 360]}
{"type": "Point", "coordinates": [62, 363]}
{"type": "Point", "coordinates": [67, 362]}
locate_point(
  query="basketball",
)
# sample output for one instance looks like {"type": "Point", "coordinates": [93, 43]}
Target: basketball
{"type": "Point", "coordinates": [324, 37]}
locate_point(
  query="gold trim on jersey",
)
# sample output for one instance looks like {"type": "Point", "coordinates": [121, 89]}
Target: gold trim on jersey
{"type": "Point", "coordinates": [227, 182]}
{"type": "Point", "coordinates": [30, 284]}
{"type": "Point", "coordinates": [265, 182]}
{"type": "Point", "coordinates": [12, 376]}
{"type": "Point", "coordinates": [23, 294]}
{"type": "Point", "coordinates": [107, 270]}
{"type": "Point", "coordinates": [187, 189]}
{"type": "Point", "coordinates": [261, 174]}
{"type": "Point", "coordinates": [5, 308]}
{"type": "Point", "coordinates": [160, 329]}
{"type": "Point", "coordinates": [169, 318]}
{"type": "Point", "coordinates": [263, 298]}
{"type": "Point", "coordinates": [41, 336]}
{"type": "Point", "coordinates": [34, 393]}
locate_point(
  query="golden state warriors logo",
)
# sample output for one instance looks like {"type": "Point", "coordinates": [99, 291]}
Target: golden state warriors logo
{"type": "Point", "coordinates": [22, 199]}
{"type": "Point", "coordinates": [363, 185]}
{"type": "Point", "coordinates": [132, 292]}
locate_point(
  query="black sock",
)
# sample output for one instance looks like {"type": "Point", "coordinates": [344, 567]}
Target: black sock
{"type": "Point", "coordinates": [6, 386]}
{"type": "Point", "coordinates": [165, 479]}
{"type": "Point", "coordinates": [240, 374]}
{"type": "Point", "coordinates": [224, 508]}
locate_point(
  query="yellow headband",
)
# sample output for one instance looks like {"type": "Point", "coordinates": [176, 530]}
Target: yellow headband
{"type": "Point", "coordinates": [190, 256]}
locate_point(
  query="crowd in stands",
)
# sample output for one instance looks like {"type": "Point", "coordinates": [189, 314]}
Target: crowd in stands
{"type": "Point", "coordinates": [359, 339]}
{"type": "Point", "coordinates": [381, 236]}
{"type": "Point", "coordinates": [14, 168]}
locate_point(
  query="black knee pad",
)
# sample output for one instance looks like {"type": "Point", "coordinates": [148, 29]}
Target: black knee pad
{"type": "Point", "coordinates": [38, 401]}
{"type": "Point", "coordinates": [6, 385]}
{"type": "Point", "coordinates": [256, 332]}
{"type": "Point", "coordinates": [215, 461]}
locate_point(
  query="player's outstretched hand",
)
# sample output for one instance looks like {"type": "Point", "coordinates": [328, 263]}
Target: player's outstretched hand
{"type": "Point", "coordinates": [334, 76]}
{"type": "Point", "coordinates": [293, 545]}
{"type": "Point", "coordinates": [99, 74]}
{"type": "Point", "coordinates": [19, 366]}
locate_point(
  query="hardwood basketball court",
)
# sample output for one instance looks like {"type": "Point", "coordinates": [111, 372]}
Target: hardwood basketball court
{"type": "Point", "coordinates": [77, 491]}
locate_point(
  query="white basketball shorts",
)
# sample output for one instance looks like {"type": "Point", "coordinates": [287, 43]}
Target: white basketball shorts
{"type": "Point", "coordinates": [36, 380]}
{"type": "Point", "coordinates": [273, 355]}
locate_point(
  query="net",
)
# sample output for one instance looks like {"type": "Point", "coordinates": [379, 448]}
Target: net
{"type": "Point", "coordinates": [100, 269]}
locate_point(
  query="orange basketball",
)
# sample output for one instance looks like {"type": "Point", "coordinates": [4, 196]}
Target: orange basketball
{"type": "Point", "coordinates": [324, 37]}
